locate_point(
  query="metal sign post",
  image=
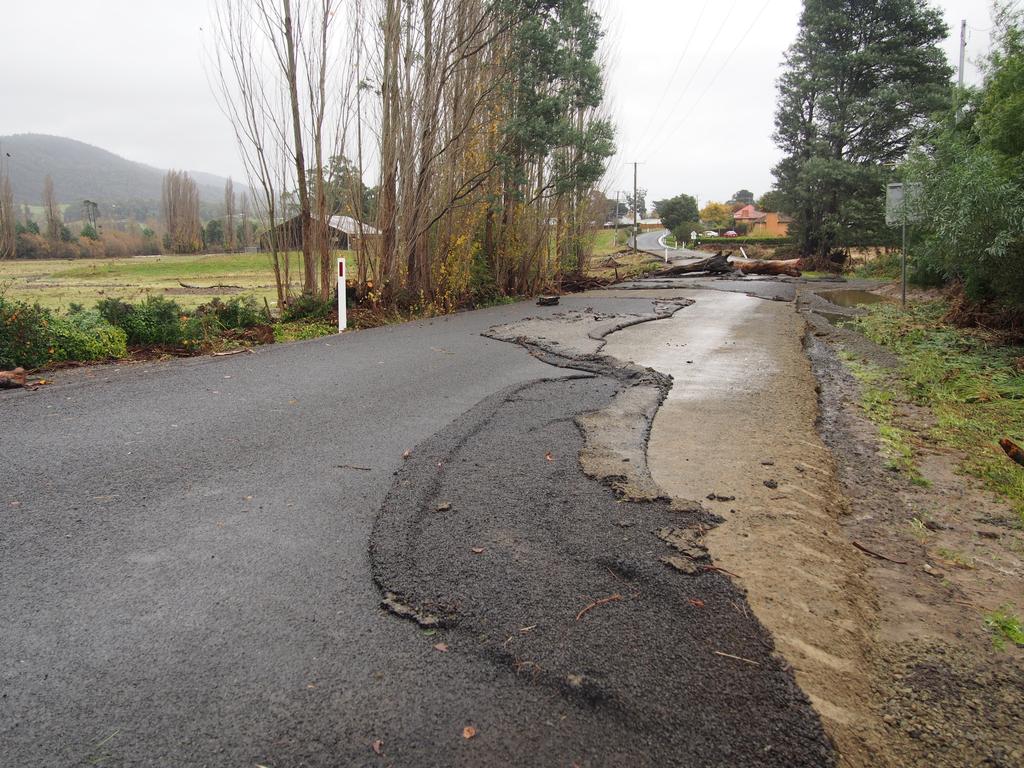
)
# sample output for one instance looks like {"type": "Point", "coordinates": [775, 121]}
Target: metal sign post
{"type": "Point", "coordinates": [903, 262]}
{"type": "Point", "coordinates": [901, 207]}
{"type": "Point", "coordinates": [342, 306]}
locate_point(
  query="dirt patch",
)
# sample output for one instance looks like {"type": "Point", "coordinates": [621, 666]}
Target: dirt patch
{"type": "Point", "coordinates": [947, 696]}
{"type": "Point", "coordinates": [738, 429]}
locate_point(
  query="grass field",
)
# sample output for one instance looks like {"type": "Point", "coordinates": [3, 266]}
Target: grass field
{"type": "Point", "coordinates": [609, 241]}
{"type": "Point", "coordinates": [58, 283]}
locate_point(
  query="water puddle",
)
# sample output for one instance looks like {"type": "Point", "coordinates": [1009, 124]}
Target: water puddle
{"type": "Point", "coordinates": [852, 298]}
{"type": "Point", "coordinates": [848, 298]}
{"type": "Point", "coordinates": [701, 347]}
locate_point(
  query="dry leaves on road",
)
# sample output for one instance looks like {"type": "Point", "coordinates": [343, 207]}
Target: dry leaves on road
{"type": "Point", "coordinates": [468, 732]}
{"type": "Point", "coordinates": [478, 550]}
{"type": "Point", "coordinates": [377, 746]}
{"type": "Point", "coordinates": [442, 647]}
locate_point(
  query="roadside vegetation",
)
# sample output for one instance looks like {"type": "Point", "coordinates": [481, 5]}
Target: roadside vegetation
{"type": "Point", "coordinates": [970, 164]}
{"type": "Point", "coordinates": [1005, 627]}
{"type": "Point", "coordinates": [33, 337]}
{"type": "Point", "coordinates": [484, 124]}
{"type": "Point", "coordinates": [972, 382]}
{"type": "Point", "coordinates": [609, 241]}
{"type": "Point", "coordinates": [880, 395]}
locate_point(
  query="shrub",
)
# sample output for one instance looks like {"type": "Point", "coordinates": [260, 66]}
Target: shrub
{"type": "Point", "coordinates": [85, 335]}
{"type": "Point", "coordinates": [239, 312]}
{"type": "Point", "coordinates": [307, 307]}
{"type": "Point", "coordinates": [24, 334]}
{"type": "Point", "coordinates": [682, 232]}
{"type": "Point", "coordinates": [32, 245]}
{"type": "Point", "coordinates": [155, 321]}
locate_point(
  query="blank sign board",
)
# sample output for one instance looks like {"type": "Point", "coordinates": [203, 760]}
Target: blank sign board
{"type": "Point", "coordinates": [903, 203]}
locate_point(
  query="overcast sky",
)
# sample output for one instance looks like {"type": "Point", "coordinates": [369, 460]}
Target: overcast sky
{"type": "Point", "coordinates": [691, 86]}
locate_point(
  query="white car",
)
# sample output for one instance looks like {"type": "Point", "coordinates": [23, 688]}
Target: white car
{"type": "Point", "coordinates": [709, 233]}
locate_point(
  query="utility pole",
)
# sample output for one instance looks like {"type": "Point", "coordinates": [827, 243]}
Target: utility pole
{"type": "Point", "coordinates": [617, 193]}
{"type": "Point", "coordinates": [635, 233]}
{"type": "Point", "coordinates": [960, 72]}
{"type": "Point", "coordinates": [963, 51]}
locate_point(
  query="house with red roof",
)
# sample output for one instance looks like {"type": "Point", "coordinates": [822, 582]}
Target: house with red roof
{"type": "Point", "coordinates": [762, 223]}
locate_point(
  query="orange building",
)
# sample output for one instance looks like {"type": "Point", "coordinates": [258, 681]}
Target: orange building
{"type": "Point", "coordinates": [762, 223]}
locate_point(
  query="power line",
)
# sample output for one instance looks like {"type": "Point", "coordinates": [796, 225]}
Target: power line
{"type": "Point", "coordinates": [669, 115]}
{"type": "Point", "coordinates": [679, 62]}
{"type": "Point", "coordinates": [735, 49]}
{"type": "Point", "coordinates": [621, 165]}
{"type": "Point", "coordinates": [728, 58]}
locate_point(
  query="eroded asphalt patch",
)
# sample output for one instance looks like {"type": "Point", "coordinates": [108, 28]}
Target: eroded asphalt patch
{"type": "Point", "coordinates": [588, 586]}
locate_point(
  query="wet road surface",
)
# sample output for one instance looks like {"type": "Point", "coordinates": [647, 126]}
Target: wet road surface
{"type": "Point", "coordinates": [185, 576]}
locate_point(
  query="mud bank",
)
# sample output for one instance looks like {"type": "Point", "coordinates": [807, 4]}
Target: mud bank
{"type": "Point", "coordinates": [496, 537]}
{"type": "Point", "coordinates": [947, 697]}
{"type": "Point", "coordinates": [739, 425]}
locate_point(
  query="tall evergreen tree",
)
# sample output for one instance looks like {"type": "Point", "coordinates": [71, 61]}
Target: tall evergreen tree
{"type": "Point", "coordinates": [861, 76]}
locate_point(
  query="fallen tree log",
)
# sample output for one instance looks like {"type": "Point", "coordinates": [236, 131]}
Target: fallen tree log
{"type": "Point", "coordinates": [218, 286]}
{"type": "Point", "coordinates": [790, 267]}
{"type": "Point", "coordinates": [13, 379]}
{"type": "Point", "coordinates": [720, 264]}
{"type": "Point", "coordinates": [713, 265]}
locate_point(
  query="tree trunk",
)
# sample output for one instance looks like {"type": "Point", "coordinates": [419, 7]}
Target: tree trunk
{"type": "Point", "coordinates": [305, 212]}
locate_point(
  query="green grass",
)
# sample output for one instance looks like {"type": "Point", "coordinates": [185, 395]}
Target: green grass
{"type": "Point", "coordinates": [58, 283]}
{"type": "Point", "coordinates": [1004, 626]}
{"type": "Point", "coordinates": [300, 330]}
{"type": "Point", "coordinates": [609, 241]}
{"type": "Point", "coordinates": [955, 559]}
{"type": "Point", "coordinates": [883, 267]}
{"type": "Point", "coordinates": [974, 387]}
{"type": "Point", "coordinates": [879, 398]}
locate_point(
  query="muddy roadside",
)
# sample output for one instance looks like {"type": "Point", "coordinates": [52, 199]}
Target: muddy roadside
{"type": "Point", "coordinates": [569, 570]}
{"type": "Point", "coordinates": [894, 655]}
{"type": "Point", "coordinates": [946, 693]}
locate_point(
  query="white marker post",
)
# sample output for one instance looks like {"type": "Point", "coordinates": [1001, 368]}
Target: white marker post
{"type": "Point", "coordinates": [342, 308]}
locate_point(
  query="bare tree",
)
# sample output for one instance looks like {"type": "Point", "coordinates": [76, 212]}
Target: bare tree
{"type": "Point", "coordinates": [245, 226]}
{"type": "Point", "coordinates": [180, 206]}
{"type": "Point", "coordinates": [273, 63]}
{"type": "Point", "coordinates": [8, 214]}
{"type": "Point", "coordinates": [51, 211]}
{"type": "Point", "coordinates": [230, 233]}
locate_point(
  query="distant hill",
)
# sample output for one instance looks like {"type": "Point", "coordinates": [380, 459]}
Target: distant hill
{"type": "Point", "coordinates": [81, 171]}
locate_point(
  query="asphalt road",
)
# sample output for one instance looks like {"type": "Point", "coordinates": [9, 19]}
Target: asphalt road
{"type": "Point", "coordinates": [649, 241]}
{"type": "Point", "coordinates": [185, 578]}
